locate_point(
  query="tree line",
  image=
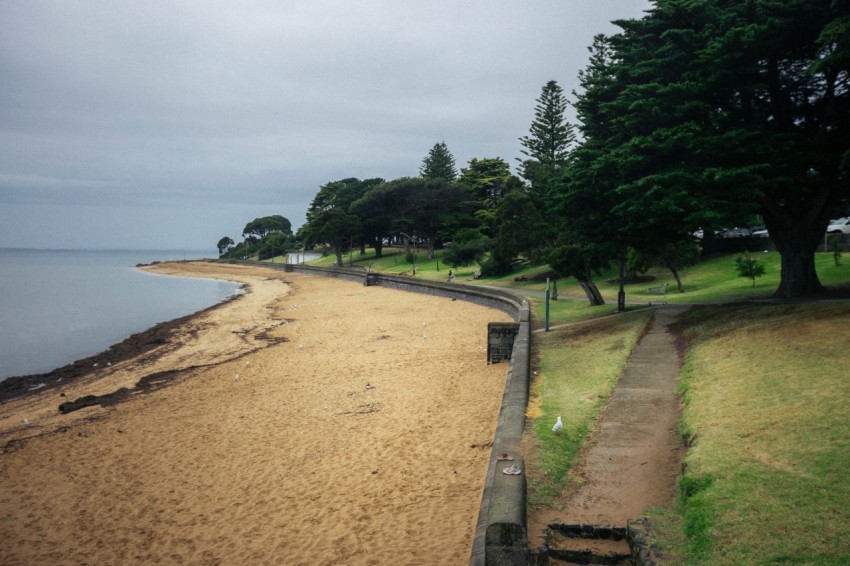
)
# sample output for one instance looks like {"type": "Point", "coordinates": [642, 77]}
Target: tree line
{"type": "Point", "coordinates": [264, 237]}
{"type": "Point", "coordinates": [702, 114]}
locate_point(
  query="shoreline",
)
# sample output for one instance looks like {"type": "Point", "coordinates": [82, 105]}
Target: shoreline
{"type": "Point", "coordinates": [313, 420]}
{"type": "Point", "coordinates": [136, 344]}
{"type": "Point", "coordinates": [111, 344]}
{"type": "Point", "coordinates": [130, 366]}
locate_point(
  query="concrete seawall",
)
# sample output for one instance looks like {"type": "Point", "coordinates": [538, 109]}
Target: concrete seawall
{"type": "Point", "coordinates": [501, 535]}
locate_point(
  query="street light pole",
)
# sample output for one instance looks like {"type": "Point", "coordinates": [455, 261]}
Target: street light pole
{"type": "Point", "coordinates": [621, 294]}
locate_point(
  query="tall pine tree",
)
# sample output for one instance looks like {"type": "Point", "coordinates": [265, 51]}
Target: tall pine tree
{"type": "Point", "coordinates": [549, 141]}
{"type": "Point", "coordinates": [439, 164]}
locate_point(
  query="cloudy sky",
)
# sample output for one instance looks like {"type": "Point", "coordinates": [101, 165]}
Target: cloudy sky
{"type": "Point", "coordinates": [156, 124]}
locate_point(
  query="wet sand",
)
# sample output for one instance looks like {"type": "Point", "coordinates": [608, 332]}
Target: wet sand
{"type": "Point", "coordinates": [357, 431]}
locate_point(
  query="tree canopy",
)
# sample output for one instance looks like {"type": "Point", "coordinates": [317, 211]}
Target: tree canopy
{"type": "Point", "coordinates": [703, 113]}
{"type": "Point", "coordinates": [266, 237]}
{"type": "Point", "coordinates": [334, 227]}
{"type": "Point", "coordinates": [225, 244]}
{"type": "Point", "coordinates": [485, 182]}
{"type": "Point", "coordinates": [261, 227]}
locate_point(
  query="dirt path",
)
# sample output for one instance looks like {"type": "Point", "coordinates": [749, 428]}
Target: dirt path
{"type": "Point", "coordinates": [632, 461]}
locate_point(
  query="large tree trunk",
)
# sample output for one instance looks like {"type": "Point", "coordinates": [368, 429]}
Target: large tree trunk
{"type": "Point", "coordinates": [338, 253]}
{"type": "Point", "coordinates": [378, 244]}
{"type": "Point", "coordinates": [798, 275]}
{"type": "Point", "coordinates": [796, 239]}
{"type": "Point", "coordinates": [709, 242]}
{"type": "Point", "coordinates": [591, 290]}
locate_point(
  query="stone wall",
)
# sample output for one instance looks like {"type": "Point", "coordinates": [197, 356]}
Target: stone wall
{"type": "Point", "coordinates": [642, 542]}
{"type": "Point", "coordinates": [500, 341]}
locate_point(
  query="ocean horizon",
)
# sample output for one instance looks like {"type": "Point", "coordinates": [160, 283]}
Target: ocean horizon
{"type": "Point", "coordinates": [59, 306]}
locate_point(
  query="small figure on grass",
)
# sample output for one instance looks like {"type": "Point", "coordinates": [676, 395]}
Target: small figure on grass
{"type": "Point", "coordinates": [836, 244]}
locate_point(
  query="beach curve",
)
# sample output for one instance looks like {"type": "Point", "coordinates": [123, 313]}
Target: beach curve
{"type": "Point", "coordinates": [357, 432]}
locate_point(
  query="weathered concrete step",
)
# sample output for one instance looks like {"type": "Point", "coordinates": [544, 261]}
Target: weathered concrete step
{"type": "Point", "coordinates": [587, 544]}
{"type": "Point", "coordinates": [580, 555]}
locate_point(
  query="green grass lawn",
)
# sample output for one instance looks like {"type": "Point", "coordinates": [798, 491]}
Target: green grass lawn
{"type": "Point", "coordinates": [712, 281]}
{"type": "Point", "coordinates": [394, 261]}
{"type": "Point", "coordinates": [767, 406]}
{"type": "Point", "coordinates": [716, 280]}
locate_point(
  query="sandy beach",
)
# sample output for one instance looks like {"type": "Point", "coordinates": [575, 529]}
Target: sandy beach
{"type": "Point", "coordinates": [310, 421]}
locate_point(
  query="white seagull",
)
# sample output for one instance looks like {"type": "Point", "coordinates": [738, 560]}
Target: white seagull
{"type": "Point", "coordinates": [558, 425]}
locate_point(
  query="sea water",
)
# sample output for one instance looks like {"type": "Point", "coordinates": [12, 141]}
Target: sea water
{"type": "Point", "coordinates": [60, 306]}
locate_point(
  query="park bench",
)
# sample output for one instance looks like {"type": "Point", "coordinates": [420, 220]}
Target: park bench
{"type": "Point", "coordinates": [660, 290]}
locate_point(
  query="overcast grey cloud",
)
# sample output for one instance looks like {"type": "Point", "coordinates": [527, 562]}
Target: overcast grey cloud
{"type": "Point", "coordinates": [162, 124]}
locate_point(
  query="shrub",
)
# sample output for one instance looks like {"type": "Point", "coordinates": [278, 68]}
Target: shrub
{"type": "Point", "coordinates": [748, 267]}
{"type": "Point", "coordinates": [461, 254]}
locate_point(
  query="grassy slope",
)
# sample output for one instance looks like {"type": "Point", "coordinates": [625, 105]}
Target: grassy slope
{"type": "Point", "coordinates": [767, 402]}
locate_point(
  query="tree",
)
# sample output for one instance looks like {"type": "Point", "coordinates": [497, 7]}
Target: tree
{"type": "Point", "coordinates": [795, 100]}
{"type": "Point", "coordinates": [341, 194]}
{"type": "Point", "coordinates": [467, 246]}
{"type": "Point", "coordinates": [381, 212]}
{"type": "Point", "coordinates": [636, 264]}
{"type": "Point", "coordinates": [591, 228]}
{"type": "Point", "coordinates": [749, 267]}
{"type": "Point", "coordinates": [571, 257]}
{"type": "Point", "coordinates": [708, 112]}
{"type": "Point", "coordinates": [676, 255]}
{"type": "Point", "coordinates": [276, 244]}
{"type": "Point", "coordinates": [547, 147]}
{"type": "Point", "coordinates": [428, 203]}
{"type": "Point", "coordinates": [485, 182]}
{"type": "Point", "coordinates": [261, 227]}
{"type": "Point", "coordinates": [241, 250]}
{"type": "Point", "coordinates": [517, 226]}
{"type": "Point", "coordinates": [439, 169]}
{"type": "Point", "coordinates": [334, 227]}
{"type": "Point", "coordinates": [225, 244]}
{"type": "Point", "coordinates": [835, 38]}
{"type": "Point", "coordinates": [439, 164]}
{"type": "Point", "coordinates": [631, 178]}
